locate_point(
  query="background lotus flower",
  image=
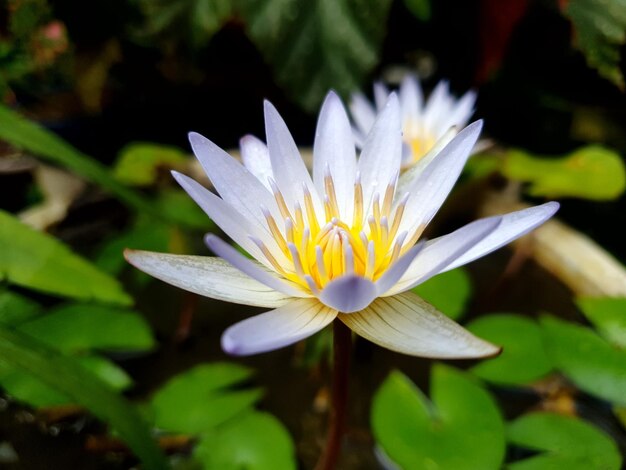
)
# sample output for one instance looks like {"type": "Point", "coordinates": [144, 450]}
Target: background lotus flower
{"type": "Point", "coordinates": [424, 121]}
{"type": "Point", "coordinates": [342, 243]}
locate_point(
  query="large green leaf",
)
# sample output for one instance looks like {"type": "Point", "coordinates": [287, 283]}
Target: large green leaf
{"type": "Point", "coordinates": [317, 45]}
{"type": "Point", "coordinates": [599, 32]}
{"type": "Point", "coordinates": [461, 428]}
{"type": "Point", "coordinates": [523, 357]}
{"type": "Point", "coordinates": [254, 441]}
{"type": "Point", "coordinates": [591, 172]}
{"type": "Point", "coordinates": [16, 309]}
{"type": "Point", "coordinates": [138, 163]}
{"type": "Point", "coordinates": [586, 359]}
{"type": "Point", "coordinates": [449, 292]}
{"type": "Point", "coordinates": [201, 398]}
{"type": "Point", "coordinates": [85, 389]}
{"type": "Point", "coordinates": [84, 327]}
{"type": "Point", "coordinates": [608, 315]}
{"type": "Point", "coordinates": [39, 261]}
{"type": "Point", "coordinates": [24, 134]}
{"type": "Point", "coordinates": [27, 388]}
{"type": "Point", "coordinates": [563, 443]}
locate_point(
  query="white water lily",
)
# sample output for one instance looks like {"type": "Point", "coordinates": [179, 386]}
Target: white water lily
{"type": "Point", "coordinates": [424, 122]}
{"type": "Point", "coordinates": [340, 244]}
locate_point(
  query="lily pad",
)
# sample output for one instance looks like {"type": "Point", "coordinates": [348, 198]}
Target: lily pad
{"type": "Point", "coordinates": [608, 315]}
{"type": "Point", "coordinates": [138, 163]}
{"type": "Point", "coordinates": [38, 261]}
{"type": "Point", "coordinates": [591, 172]}
{"type": "Point", "coordinates": [254, 441]}
{"type": "Point", "coordinates": [448, 292]}
{"type": "Point", "coordinates": [461, 428]}
{"type": "Point", "coordinates": [589, 361]}
{"type": "Point", "coordinates": [523, 357]}
{"type": "Point", "coordinates": [202, 398]}
{"type": "Point", "coordinates": [563, 442]}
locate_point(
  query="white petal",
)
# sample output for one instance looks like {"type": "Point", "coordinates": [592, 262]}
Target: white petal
{"type": "Point", "coordinates": [430, 188]}
{"type": "Point", "coordinates": [397, 270]}
{"type": "Point", "coordinates": [348, 293]}
{"type": "Point", "coordinates": [334, 149]}
{"type": "Point", "coordinates": [411, 98]}
{"type": "Point", "coordinates": [380, 158]}
{"type": "Point", "coordinates": [381, 95]}
{"type": "Point", "coordinates": [207, 276]}
{"type": "Point", "coordinates": [438, 255]}
{"type": "Point", "coordinates": [288, 167]}
{"type": "Point", "coordinates": [275, 329]}
{"type": "Point", "coordinates": [407, 324]}
{"type": "Point", "coordinates": [363, 114]}
{"type": "Point", "coordinates": [460, 113]}
{"type": "Point", "coordinates": [235, 184]}
{"type": "Point", "coordinates": [256, 158]}
{"type": "Point", "coordinates": [234, 224]}
{"type": "Point", "coordinates": [437, 105]}
{"type": "Point", "coordinates": [251, 268]}
{"type": "Point", "coordinates": [513, 225]}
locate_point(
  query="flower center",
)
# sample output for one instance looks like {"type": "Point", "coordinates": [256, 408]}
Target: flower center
{"type": "Point", "coordinates": [323, 247]}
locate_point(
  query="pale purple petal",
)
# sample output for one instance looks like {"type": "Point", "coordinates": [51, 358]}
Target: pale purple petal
{"type": "Point", "coordinates": [437, 256]}
{"type": "Point", "coordinates": [207, 276]}
{"type": "Point", "coordinates": [430, 188]}
{"type": "Point", "coordinates": [234, 224]}
{"type": "Point", "coordinates": [288, 167]}
{"type": "Point", "coordinates": [334, 150]}
{"type": "Point", "coordinates": [460, 113]}
{"type": "Point", "coordinates": [411, 99]}
{"type": "Point", "coordinates": [348, 293]}
{"type": "Point", "coordinates": [275, 329]}
{"type": "Point", "coordinates": [380, 158]}
{"type": "Point", "coordinates": [363, 114]}
{"type": "Point", "coordinates": [256, 158]}
{"type": "Point", "coordinates": [397, 270]}
{"type": "Point", "coordinates": [234, 183]}
{"type": "Point", "coordinates": [381, 95]}
{"type": "Point", "coordinates": [251, 268]}
{"type": "Point", "coordinates": [513, 225]}
{"type": "Point", "coordinates": [437, 105]}
{"type": "Point", "coordinates": [407, 324]}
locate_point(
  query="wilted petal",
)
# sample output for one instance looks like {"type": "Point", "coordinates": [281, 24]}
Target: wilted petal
{"type": "Point", "coordinates": [210, 277]}
{"type": "Point", "coordinates": [513, 225]}
{"type": "Point", "coordinates": [334, 149]}
{"type": "Point", "coordinates": [292, 322]}
{"type": "Point", "coordinates": [348, 293]}
{"type": "Point", "coordinates": [256, 158]}
{"type": "Point", "coordinates": [252, 268]}
{"type": "Point", "coordinates": [407, 324]}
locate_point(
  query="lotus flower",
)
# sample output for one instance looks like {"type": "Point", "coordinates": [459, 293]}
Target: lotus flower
{"type": "Point", "coordinates": [424, 122]}
{"type": "Point", "coordinates": [340, 244]}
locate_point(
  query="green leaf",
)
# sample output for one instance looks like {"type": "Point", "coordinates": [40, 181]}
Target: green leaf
{"type": "Point", "coordinates": [448, 292]}
{"type": "Point", "coordinates": [201, 398]}
{"type": "Point", "coordinates": [26, 135]}
{"type": "Point", "coordinates": [462, 428]}
{"type": "Point", "coordinates": [317, 45]}
{"type": "Point", "coordinates": [563, 443]}
{"type": "Point", "coordinates": [254, 441]}
{"type": "Point", "coordinates": [586, 359]}
{"type": "Point", "coordinates": [523, 357]}
{"type": "Point", "coordinates": [29, 389]}
{"type": "Point", "coordinates": [38, 261]}
{"type": "Point", "coordinates": [600, 31]}
{"type": "Point", "coordinates": [591, 172]}
{"type": "Point", "coordinates": [85, 389]}
{"type": "Point", "coordinates": [15, 308]}
{"type": "Point", "coordinates": [138, 163]}
{"type": "Point", "coordinates": [176, 204]}
{"type": "Point", "coordinates": [608, 315]}
{"type": "Point", "coordinates": [420, 8]}
{"type": "Point", "coordinates": [84, 327]}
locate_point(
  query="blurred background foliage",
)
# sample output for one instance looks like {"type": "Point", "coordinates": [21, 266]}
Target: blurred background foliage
{"type": "Point", "coordinates": [101, 366]}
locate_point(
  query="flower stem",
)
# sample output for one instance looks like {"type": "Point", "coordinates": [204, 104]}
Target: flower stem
{"type": "Point", "coordinates": [342, 343]}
